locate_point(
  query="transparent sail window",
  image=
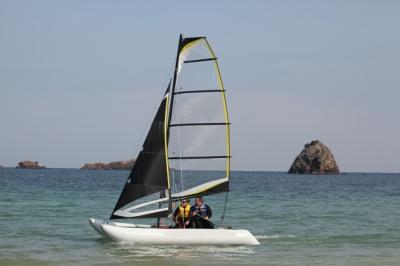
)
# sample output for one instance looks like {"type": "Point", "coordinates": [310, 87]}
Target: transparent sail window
{"type": "Point", "coordinates": [198, 108]}
{"type": "Point", "coordinates": [197, 76]}
{"type": "Point", "coordinates": [195, 51]}
{"type": "Point", "coordinates": [191, 141]}
{"type": "Point", "coordinates": [187, 174]}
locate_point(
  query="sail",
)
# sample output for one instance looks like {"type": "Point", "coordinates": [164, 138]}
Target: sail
{"type": "Point", "coordinates": [187, 150]}
{"type": "Point", "coordinates": [199, 141]}
{"type": "Point", "coordinates": [149, 174]}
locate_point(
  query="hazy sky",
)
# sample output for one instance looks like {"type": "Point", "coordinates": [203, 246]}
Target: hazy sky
{"type": "Point", "coordinates": [80, 80]}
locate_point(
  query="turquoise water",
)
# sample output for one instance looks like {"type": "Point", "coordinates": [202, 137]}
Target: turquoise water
{"type": "Point", "coordinates": [351, 219]}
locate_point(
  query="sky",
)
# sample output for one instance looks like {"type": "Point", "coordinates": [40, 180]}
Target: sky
{"type": "Point", "coordinates": [80, 81]}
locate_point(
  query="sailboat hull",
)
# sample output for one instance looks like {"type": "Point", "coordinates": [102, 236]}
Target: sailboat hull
{"type": "Point", "coordinates": [97, 226]}
{"type": "Point", "coordinates": [123, 232]}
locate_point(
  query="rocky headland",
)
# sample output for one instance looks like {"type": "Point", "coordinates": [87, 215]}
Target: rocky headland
{"type": "Point", "coordinates": [315, 158]}
{"type": "Point", "coordinates": [30, 165]}
{"type": "Point", "coordinates": [117, 165]}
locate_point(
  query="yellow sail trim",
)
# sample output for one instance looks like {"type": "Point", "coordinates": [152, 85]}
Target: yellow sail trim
{"type": "Point", "coordinates": [166, 138]}
{"type": "Point", "coordinates": [223, 98]}
{"type": "Point", "coordinates": [190, 45]}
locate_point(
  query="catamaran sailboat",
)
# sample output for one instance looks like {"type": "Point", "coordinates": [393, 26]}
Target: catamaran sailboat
{"type": "Point", "coordinates": [186, 154]}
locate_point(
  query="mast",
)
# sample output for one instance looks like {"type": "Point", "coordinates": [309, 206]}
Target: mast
{"type": "Point", "coordinates": [171, 96]}
{"type": "Point", "coordinates": [169, 113]}
{"type": "Point", "coordinates": [172, 89]}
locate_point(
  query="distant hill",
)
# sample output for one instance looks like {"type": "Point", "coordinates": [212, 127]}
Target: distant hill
{"type": "Point", "coordinates": [117, 165]}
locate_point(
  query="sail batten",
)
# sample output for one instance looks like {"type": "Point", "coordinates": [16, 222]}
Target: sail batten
{"type": "Point", "coordinates": [198, 157]}
{"type": "Point", "coordinates": [200, 60]}
{"type": "Point", "coordinates": [197, 91]}
{"type": "Point", "coordinates": [200, 124]}
{"type": "Point", "coordinates": [156, 213]}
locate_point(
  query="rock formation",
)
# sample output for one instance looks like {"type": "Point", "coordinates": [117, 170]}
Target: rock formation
{"type": "Point", "coordinates": [95, 166]}
{"type": "Point", "coordinates": [315, 158]}
{"type": "Point", "coordinates": [123, 165]}
{"type": "Point", "coordinates": [30, 165]}
{"type": "Point", "coordinates": [118, 165]}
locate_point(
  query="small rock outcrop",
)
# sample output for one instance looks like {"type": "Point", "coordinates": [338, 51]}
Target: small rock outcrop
{"type": "Point", "coordinates": [117, 165]}
{"type": "Point", "coordinates": [30, 165]}
{"type": "Point", "coordinates": [315, 158]}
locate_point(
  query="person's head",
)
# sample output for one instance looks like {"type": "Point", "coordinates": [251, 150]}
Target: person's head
{"type": "Point", "coordinates": [199, 200]}
{"type": "Point", "coordinates": [184, 202]}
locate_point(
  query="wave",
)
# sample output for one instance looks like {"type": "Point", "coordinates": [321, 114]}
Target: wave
{"type": "Point", "coordinates": [124, 250]}
{"type": "Point", "coordinates": [276, 236]}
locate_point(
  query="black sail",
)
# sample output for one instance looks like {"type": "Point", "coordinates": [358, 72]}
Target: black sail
{"type": "Point", "coordinates": [149, 174]}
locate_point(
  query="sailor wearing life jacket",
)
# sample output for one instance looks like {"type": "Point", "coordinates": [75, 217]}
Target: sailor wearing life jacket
{"type": "Point", "coordinates": [182, 214]}
{"type": "Point", "coordinates": [201, 213]}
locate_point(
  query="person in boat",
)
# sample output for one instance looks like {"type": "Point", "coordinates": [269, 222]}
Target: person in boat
{"type": "Point", "coordinates": [181, 215]}
{"type": "Point", "coordinates": [201, 213]}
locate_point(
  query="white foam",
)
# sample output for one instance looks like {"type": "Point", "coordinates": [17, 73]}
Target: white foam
{"type": "Point", "coordinates": [277, 236]}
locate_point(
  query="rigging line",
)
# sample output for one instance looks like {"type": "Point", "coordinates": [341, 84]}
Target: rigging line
{"type": "Point", "coordinates": [175, 186]}
{"type": "Point", "coordinates": [224, 210]}
{"type": "Point", "coordinates": [180, 166]}
{"type": "Point", "coordinates": [173, 179]}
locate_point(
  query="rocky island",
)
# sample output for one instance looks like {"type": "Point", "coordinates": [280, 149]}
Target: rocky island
{"type": "Point", "coordinates": [315, 158]}
{"type": "Point", "coordinates": [30, 165]}
{"type": "Point", "coordinates": [117, 165]}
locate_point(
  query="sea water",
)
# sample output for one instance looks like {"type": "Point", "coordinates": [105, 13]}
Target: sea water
{"type": "Point", "coordinates": [348, 219]}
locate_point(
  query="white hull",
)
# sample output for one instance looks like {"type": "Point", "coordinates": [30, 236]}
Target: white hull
{"type": "Point", "coordinates": [124, 232]}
